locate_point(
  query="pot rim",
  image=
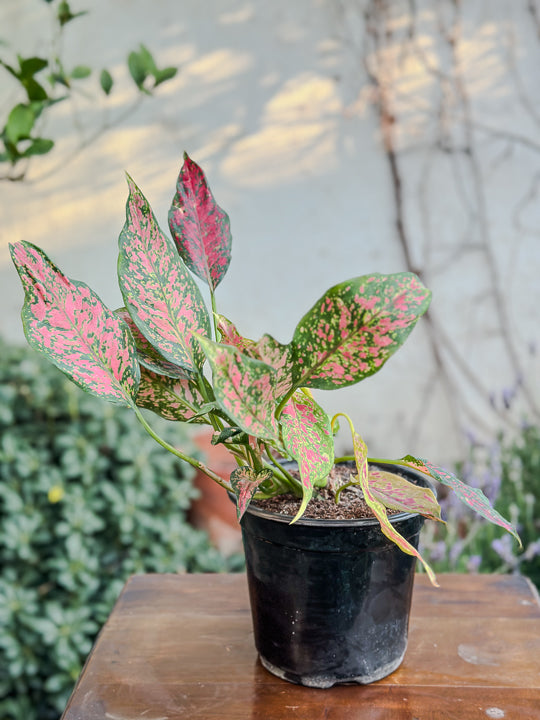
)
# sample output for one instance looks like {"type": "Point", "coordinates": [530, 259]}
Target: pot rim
{"type": "Point", "coordinates": [352, 522]}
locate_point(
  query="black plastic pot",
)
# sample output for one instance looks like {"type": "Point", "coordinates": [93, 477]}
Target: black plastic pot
{"type": "Point", "coordinates": [330, 599]}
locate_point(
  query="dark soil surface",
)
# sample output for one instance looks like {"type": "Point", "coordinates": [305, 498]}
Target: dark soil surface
{"type": "Point", "coordinates": [323, 504]}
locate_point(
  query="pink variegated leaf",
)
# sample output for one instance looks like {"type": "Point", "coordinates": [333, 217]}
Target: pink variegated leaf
{"type": "Point", "coordinates": [66, 322]}
{"type": "Point", "coordinates": [244, 482]}
{"type": "Point", "coordinates": [231, 336]}
{"type": "Point", "coordinates": [398, 493]}
{"type": "Point", "coordinates": [473, 497]}
{"type": "Point", "coordinates": [355, 327]}
{"type": "Point", "coordinates": [159, 292]}
{"type": "Point", "coordinates": [266, 349]}
{"type": "Point", "coordinates": [200, 228]}
{"type": "Point", "coordinates": [171, 398]}
{"type": "Point", "coordinates": [279, 357]}
{"type": "Point", "coordinates": [308, 438]}
{"type": "Point", "coordinates": [148, 355]}
{"type": "Point", "coordinates": [244, 388]}
{"type": "Point", "coordinates": [378, 509]}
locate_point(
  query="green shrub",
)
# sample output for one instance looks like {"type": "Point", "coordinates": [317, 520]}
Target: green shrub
{"type": "Point", "coordinates": [86, 499]}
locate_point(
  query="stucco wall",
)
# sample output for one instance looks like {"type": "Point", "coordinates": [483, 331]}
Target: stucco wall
{"type": "Point", "coordinates": [342, 138]}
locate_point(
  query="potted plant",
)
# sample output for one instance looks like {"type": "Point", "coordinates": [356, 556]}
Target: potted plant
{"type": "Point", "coordinates": [330, 598]}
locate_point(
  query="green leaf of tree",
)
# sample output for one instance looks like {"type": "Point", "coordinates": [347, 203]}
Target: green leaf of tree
{"type": "Point", "coordinates": [137, 69]}
{"type": "Point", "coordinates": [106, 81]}
{"type": "Point", "coordinates": [19, 123]}
{"type": "Point", "coordinates": [80, 72]}
{"type": "Point", "coordinates": [161, 76]}
{"type": "Point", "coordinates": [31, 66]}
{"type": "Point", "coordinates": [38, 146]}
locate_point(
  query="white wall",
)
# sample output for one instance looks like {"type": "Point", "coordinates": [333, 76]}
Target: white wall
{"type": "Point", "coordinates": [318, 125]}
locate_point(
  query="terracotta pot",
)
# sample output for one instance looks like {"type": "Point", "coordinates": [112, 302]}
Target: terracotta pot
{"type": "Point", "coordinates": [212, 511]}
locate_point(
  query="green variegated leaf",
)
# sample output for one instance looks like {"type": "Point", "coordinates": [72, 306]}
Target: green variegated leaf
{"type": "Point", "coordinates": [360, 454]}
{"type": "Point", "coordinates": [148, 355]}
{"type": "Point", "coordinates": [354, 328]}
{"type": "Point", "coordinates": [473, 497]}
{"type": "Point", "coordinates": [266, 349]}
{"type": "Point", "coordinates": [245, 389]}
{"type": "Point", "coordinates": [398, 493]}
{"type": "Point", "coordinates": [244, 482]}
{"type": "Point", "coordinates": [200, 228]}
{"type": "Point", "coordinates": [171, 398]}
{"type": "Point", "coordinates": [66, 322]}
{"type": "Point", "coordinates": [160, 294]}
{"type": "Point", "coordinates": [308, 438]}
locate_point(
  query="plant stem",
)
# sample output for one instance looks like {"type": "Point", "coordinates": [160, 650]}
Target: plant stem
{"type": "Point", "coordinates": [214, 314]}
{"type": "Point", "coordinates": [197, 464]}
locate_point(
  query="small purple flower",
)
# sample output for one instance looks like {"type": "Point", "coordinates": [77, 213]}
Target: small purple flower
{"type": "Point", "coordinates": [455, 551]}
{"type": "Point", "coordinates": [473, 563]}
{"type": "Point", "coordinates": [503, 548]}
{"type": "Point", "coordinates": [438, 551]}
{"type": "Point", "coordinates": [533, 549]}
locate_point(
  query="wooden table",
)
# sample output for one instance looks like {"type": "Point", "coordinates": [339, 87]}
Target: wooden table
{"type": "Point", "coordinates": [181, 646]}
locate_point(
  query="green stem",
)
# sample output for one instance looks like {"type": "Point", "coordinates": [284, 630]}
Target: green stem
{"type": "Point", "coordinates": [214, 314]}
{"type": "Point", "coordinates": [284, 401]}
{"type": "Point", "coordinates": [293, 483]}
{"type": "Point", "coordinates": [197, 464]}
{"type": "Point", "coordinates": [338, 492]}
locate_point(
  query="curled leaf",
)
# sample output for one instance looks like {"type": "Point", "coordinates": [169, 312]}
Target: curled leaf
{"type": "Point", "coordinates": [398, 493]}
{"type": "Point", "coordinates": [360, 454]}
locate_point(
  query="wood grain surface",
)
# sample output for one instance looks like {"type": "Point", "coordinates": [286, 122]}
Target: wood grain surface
{"type": "Point", "coordinates": [181, 646]}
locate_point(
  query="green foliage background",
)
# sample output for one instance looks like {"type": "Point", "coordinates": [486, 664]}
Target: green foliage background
{"type": "Point", "coordinates": [86, 499]}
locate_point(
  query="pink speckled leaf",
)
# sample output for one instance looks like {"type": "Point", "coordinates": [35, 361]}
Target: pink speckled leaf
{"type": "Point", "coordinates": [244, 388]}
{"type": "Point", "coordinates": [473, 497]}
{"type": "Point", "coordinates": [147, 354]}
{"type": "Point", "coordinates": [231, 336]}
{"type": "Point", "coordinates": [398, 493]}
{"type": "Point", "coordinates": [159, 292]}
{"type": "Point", "coordinates": [355, 327]}
{"type": "Point", "coordinates": [267, 349]}
{"type": "Point", "coordinates": [244, 482]}
{"type": "Point", "coordinates": [171, 398]}
{"type": "Point", "coordinates": [66, 321]}
{"type": "Point", "coordinates": [200, 228]}
{"type": "Point", "coordinates": [308, 438]}
{"type": "Point", "coordinates": [360, 454]}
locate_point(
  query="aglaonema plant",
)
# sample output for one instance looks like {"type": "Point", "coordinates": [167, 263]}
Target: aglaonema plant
{"type": "Point", "coordinates": [167, 352]}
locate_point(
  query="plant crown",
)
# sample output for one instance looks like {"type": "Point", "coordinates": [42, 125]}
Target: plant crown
{"type": "Point", "coordinates": [152, 354]}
